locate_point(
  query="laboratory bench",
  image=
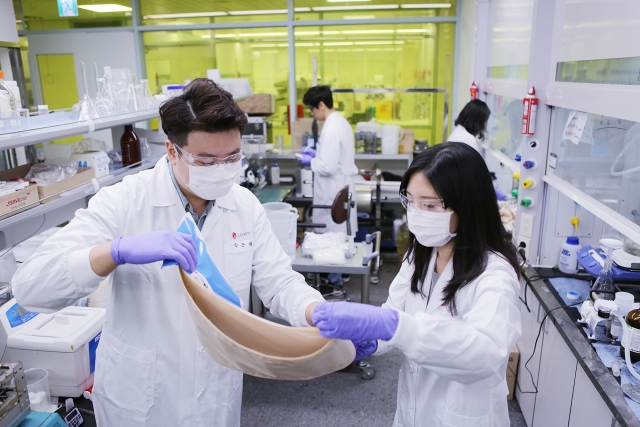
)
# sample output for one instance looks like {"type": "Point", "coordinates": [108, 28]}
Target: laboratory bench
{"type": "Point", "coordinates": [572, 385]}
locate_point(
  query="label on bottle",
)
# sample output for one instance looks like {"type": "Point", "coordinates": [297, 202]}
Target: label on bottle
{"type": "Point", "coordinates": [634, 339]}
{"type": "Point", "coordinates": [126, 154]}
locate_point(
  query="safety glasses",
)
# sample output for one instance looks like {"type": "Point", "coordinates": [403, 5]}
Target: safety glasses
{"type": "Point", "coordinates": [427, 204]}
{"type": "Point", "coordinates": [207, 160]}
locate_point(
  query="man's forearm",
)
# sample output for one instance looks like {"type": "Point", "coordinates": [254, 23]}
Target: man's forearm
{"type": "Point", "coordinates": [101, 261]}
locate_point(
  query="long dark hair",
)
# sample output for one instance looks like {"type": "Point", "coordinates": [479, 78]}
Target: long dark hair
{"type": "Point", "coordinates": [461, 178]}
{"type": "Point", "coordinates": [474, 117]}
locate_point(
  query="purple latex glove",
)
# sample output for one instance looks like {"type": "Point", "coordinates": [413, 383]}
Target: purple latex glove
{"type": "Point", "coordinates": [364, 349]}
{"type": "Point", "coordinates": [305, 159]}
{"type": "Point", "coordinates": [156, 246]}
{"type": "Point", "coordinates": [353, 321]}
{"type": "Point", "coordinates": [500, 195]}
{"type": "Point", "coordinates": [310, 151]}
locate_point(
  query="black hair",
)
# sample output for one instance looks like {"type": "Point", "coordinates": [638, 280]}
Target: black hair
{"type": "Point", "coordinates": [474, 117]}
{"type": "Point", "coordinates": [318, 94]}
{"type": "Point", "coordinates": [460, 177]}
{"type": "Point", "coordinates": [203, 106]}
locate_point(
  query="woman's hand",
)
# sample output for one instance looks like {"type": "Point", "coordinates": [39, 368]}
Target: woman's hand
{"type": "Point", "coordinates": [365, 349]}
{"type": "Point", "coordinates": [356, 322]}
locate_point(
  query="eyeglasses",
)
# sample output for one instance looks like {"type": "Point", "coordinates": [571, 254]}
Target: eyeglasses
{"type": "Point", "coordinates": [429, 204]}
{"type": "Point", "coordinates": [206, 160]}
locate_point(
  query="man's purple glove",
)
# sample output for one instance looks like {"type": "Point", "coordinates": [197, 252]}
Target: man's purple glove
{"type": "Point", "coordinates": [364, 349]}
{"type": "Point", "coordinates": [306, 159]}
{"type": "Point", "coordinates": [355, 322]}
{"type": "Point", "coordinates": [156, 246]}
{"type": "Point", "coordinates": [310, 151]}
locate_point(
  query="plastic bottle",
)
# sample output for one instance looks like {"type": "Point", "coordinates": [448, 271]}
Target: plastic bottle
{"type": "Point", "coordinates": [633, 322]}
{"type": "Point", "coordinates": [275, 173]}
{"type": "Point", "coordinates": [569, 256]}
{"type": "Point", "coordinates": [130, 146]}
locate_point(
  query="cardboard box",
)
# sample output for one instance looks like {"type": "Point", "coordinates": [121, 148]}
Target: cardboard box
{"type": "Point", "coordinates": [298, 128]}
{"type": "Point", "coordinates": [512, 370]}
{"type": "Point", "coordinates": [407, 142]}
{"type": "Point", "coordinates": [51, 192]}
{"type": "Point", "coordinates": [18, 201]}
{"type": "Point", "coordinates": [263, 103]}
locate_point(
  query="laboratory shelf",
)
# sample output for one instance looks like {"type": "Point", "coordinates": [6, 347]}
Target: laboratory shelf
{"type": "Point", "coordinates": [26, 136]}
{"type": "Point", "coordinates": [30, 222]}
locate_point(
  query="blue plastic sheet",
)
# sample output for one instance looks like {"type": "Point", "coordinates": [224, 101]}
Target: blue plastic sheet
{"type": "Point", "coordinates": [206, 267]}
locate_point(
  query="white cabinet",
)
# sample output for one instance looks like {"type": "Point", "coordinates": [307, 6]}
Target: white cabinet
{"type": "Point", "coordinates": [525, 390]}
{"type": "Point", "coordinates": [555, 380]}
{"type": "Point", "coordinates": [587, 406]}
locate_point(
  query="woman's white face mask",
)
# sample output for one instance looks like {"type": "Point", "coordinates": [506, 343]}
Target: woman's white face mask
{"type": "Point", "coordinates": [211, 182]}
{"type": "Point", "coordinates": [430, 228]}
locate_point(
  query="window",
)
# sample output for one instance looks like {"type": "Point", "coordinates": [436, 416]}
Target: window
{"type": "Point", "coordinates": [372, 9]}
{"type": "Point", "coordinates": [382, 56]}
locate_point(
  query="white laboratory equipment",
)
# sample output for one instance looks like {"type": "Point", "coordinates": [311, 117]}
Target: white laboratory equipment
{"type": "Point", "coordinates": [64, 343]}
{"type": "Point", "coordinates": [98, 160]}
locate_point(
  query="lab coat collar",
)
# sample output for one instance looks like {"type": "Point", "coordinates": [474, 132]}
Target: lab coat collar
{"type": "Point", "coordinates": [163, 192]}
{"type": "Point", "coordinates": [437, 294]}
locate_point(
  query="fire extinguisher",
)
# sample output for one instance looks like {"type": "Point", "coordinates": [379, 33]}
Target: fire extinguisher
{"type": "Point", "coordinates": [475, 91]}
{"type": "Point", "coordinates": [530, 109]}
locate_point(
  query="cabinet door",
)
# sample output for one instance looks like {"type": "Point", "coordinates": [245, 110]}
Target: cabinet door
{"type": "Point", "coordinates": [525, 392]}
{"type": "Point", "coordinates": [555, 380]}
{"type": "Point", "coordinates": [587, 406]}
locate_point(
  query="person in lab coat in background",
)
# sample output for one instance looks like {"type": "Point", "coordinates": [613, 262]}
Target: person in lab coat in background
{"type": "Point", "coordinates": [151, 369]}
{"type": "Point", "coordinates": [333, 164]}
{"type": "Point", "coordinates": [471, 124]}
{"type": "Point", "coordinates": [452, 307]}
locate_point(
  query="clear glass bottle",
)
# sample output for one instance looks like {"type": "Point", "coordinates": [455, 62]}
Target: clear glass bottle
{"type": "Point", "coordinates": [3, 86]}
{"type": "Point", "coordinates": [130, 146]}
{"type": "Point", "coordinates": [603, 286]}
{"type": "Point", "coordinates": [145, 150]}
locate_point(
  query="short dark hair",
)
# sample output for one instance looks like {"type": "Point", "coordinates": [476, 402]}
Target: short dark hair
{"type": "Point", "coordinates": [460, 177]}
{"type": "Point", "coordinates": [203, 106]}
{"type": "Point", "coordinates": [318, 94]}
{"type": "Point", "coordinates": [474, 117]}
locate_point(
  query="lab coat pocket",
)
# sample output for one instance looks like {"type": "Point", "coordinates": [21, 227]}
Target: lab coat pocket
{"type": "Point", "coordinates": [467, 405]}
{"type": "Point", "coordinates": [449, 419]}
{"type": "Point", "coordinates": [128, 374]}
{"type": "Point", "coordinates": [238, 259]}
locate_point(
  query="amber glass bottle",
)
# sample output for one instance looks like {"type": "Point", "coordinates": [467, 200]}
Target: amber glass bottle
{"type": "Point", "coordinates": [130, 146]}
{"type": "Point", "coordinates": [633, 320]}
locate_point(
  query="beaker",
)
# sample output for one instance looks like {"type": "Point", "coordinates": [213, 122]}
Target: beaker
{"type": "Point", "coordinates": [38, 387]}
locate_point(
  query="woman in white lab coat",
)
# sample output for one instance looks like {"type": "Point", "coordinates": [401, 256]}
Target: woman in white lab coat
{"type": "Point", "coordinates": [471, 124]}
{"type": "Point", "coordinates": [151, 369]}
{"type": "Point", "coordinates": [452, 307]}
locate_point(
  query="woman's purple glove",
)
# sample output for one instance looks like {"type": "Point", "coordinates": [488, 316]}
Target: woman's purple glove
{"type": "Point", "coordinates": [306, 159]}
{"type": "Point", "coordinates": [364, 349]}
{"type": "Point", "coordinates": [355, 322]}
{"type": "Point", "coordinates": [156, 246]}
{"type": "Point", "coordinates": [310, 151]}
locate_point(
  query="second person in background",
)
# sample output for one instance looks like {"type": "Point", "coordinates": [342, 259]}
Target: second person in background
{"type": "Point", "coordinates": [471, 124]}
{"type": "Point", "coordinates": [333, 164]}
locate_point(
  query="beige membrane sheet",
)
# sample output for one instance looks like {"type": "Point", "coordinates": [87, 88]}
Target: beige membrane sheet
{"type": "Point", "coordinates": [247, 343]}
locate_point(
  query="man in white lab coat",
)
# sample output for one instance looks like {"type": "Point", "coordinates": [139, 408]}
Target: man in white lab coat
{"type": "Point", "coordinates": [333, 164]}
{"type": "Point", "coordinates": [151, 369]}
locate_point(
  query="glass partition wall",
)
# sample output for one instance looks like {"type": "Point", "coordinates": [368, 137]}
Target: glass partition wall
{"type": "Point", "coordinates": [411, 45]}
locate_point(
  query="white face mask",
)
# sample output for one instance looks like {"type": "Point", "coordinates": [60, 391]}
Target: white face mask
{"type": "Point", "coordinates": [211, 182]}
{"type": "Point", "coordinates": [430, 228]}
